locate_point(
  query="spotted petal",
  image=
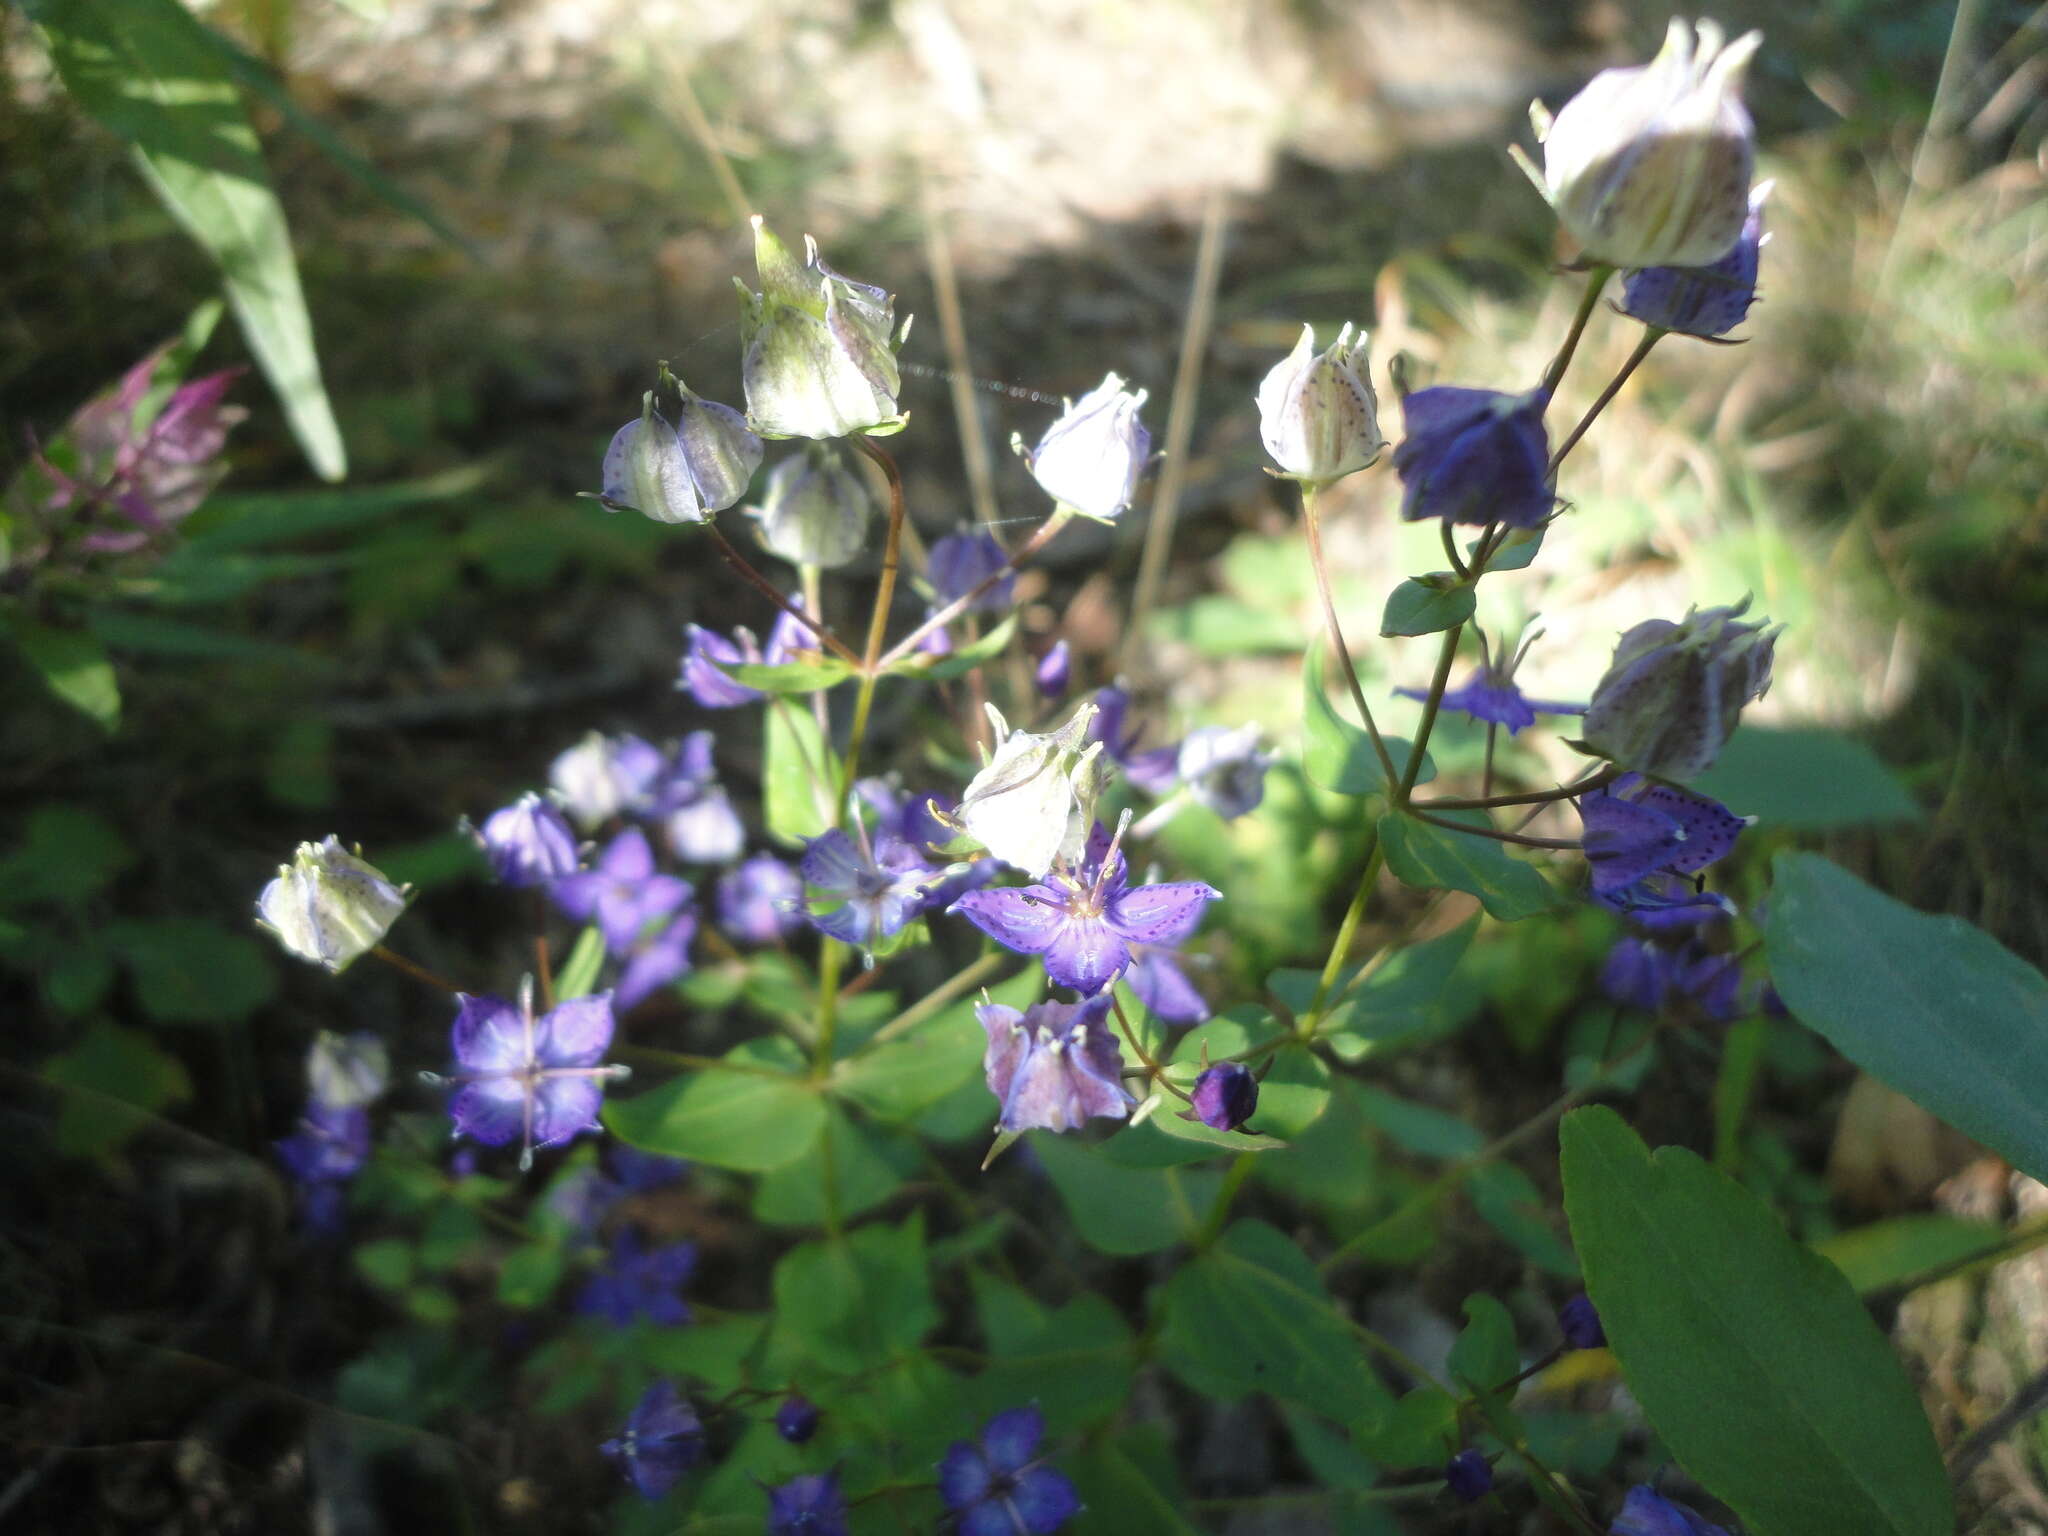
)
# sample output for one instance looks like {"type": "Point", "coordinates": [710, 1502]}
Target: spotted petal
{"type": "Point", "coordinates": [1026, 919]}
{"type": "Point", "coordinates": [1160, 914]}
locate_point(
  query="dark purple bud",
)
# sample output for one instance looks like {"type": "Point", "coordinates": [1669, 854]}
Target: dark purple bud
{"type": "Point", "coordinates": [1702, 301]}
{"type": "Point", "coordinates": [1226, 1095]}
{"type": "Point", "coordinates": [528, 842]}
{"type": "Point", "coordinates": [1055, 669]}
{"type": "Point", "coordinates": [797, 1419]}
{"type": "Point", "coordinates": [1474, 456]}
{"type": "Point", "coordinates": [1469, 1475]}
{"type": "Point", "coordinates": [1581, 1323]}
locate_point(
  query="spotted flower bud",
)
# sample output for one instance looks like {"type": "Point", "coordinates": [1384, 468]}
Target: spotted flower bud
{"type": "Point", "coordinates": [816, 510]}
{"type": "Point", "coordinates": [1650, 166]}
{"type": "Point", "coordinates": [1674, 692]}
{"type": "Point", "coordinates": [1702, 301]}
{"type": "Point", "coordinates": [1474, 456]}
{"type": "Point", "coordinates": [1035, 801]}
{"type": "Point", "coordinates": [1225, 1096]}
{"type": "Point", "coordinates": [329, 906]}
{"type": "Point", "coordinates": [1090, 459]}
{"type": "Point", "coordinates": [1318, 416]}
{"type": "Point", "coordinates": [681, 473]}
{"type": "Point", "coordinates": [820, 357]}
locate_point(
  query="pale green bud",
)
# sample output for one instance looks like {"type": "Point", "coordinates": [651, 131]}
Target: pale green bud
{"type": "Point", "coordinates": [681, 473]}
{"type": "Point", "coordinates": [1035, 801]}
{"type": "Point", "coordinates": [1650, 166]}
{"type": "Point", "coordinates": [816, 510]}
{"type": "Point", "coordinates": [1318, 415]}
{"type": "Point", "coordinates": [820, 358]}
{"type": "Point", "coordinates": [330, 906]}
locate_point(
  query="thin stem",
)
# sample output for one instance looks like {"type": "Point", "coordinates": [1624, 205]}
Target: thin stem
{"type": "Point", "coordinates": [417, 972]}
{"type": "Point", "coordinates": [766, 588]}
{"type": "Point", "coordinates": [1554, 374]}
{"type": "Point", "coordinates": [1154, 1072]}
{"type": "Point", "coordinates": [1605, 774]}
{"type": "Point", "coordinates": [1437, 684]}
{"type": "Point", "coordinates": [1234, 1176]}
{"type": "Point", "coordinates": [1451, 554]}
{"type": "Point", "coordinates": [1518, 839]}
{"type": "Point", "coordinates": [1635, 359]}
{"type": "Point", "coordinates": [1486, 772]}
{"type": "Point", "coordinates": [1041, 536]}
{"type": "Point", "coordinates": [1340, 947]}
{"type": "Point", "coordinates": [974, 451]}
{"type": "Point", "coordinates": [831, 959]}
{"type": "Point", "coordinates": [1180, 413]}
{"type": "Point", "coordinates": [542, 969]}
{"type": "Point", "coordinates": [1312, 531]}
{"type": "Point", "coordinates": [962, 981]}
{"type": "Point", "coordinates": [878, 621]}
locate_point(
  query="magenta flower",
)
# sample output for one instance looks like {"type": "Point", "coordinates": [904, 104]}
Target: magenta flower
{"type": "Point", "coordinates": [538, 1081]}
{"type": "Point", "coordinates": [1053, 1066]}
{"type": "Point", "coordinates": [622, 894]}
{"type": "Point", "coordinates": [1085, 923]}
{"type": "Point", "coordinates": [999, 1485]}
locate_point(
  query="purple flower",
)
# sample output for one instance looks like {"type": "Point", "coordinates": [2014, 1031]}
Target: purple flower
{"type": "Point", "coordinates": [797, 1419]}
{"type": "Point", "coordinates": [1469, 1475]}
{"type": "Point", "coordinates": [622, 893]}
{"type": "Point", "coordinates": [1702, 301]}
{"type": "Point", "coordinates": [1490, 694]}
{"type": "Point", "coordinates": [657, 961]}
{"type": "Point", "coordinates": [637, 1172]}
{"type": "Point", "coordinates": [758, 902]}
{"type": "Point", "coordinates": [960, 562]}
{"type": "Point", "coordinates": [878, 887]}
{"type": "Point", "coordinates": [602, 776]}
{"type": "Point", "coordinates": [907, 819]}
{"type": "Point", "coordinates": [809, 1505]}
{"type": "Point", "coordinates": [1636, 828]}
{"type": "Point", "coordinates": [640, 1283]}
{"type": "Point", "coordinates": [331, 1144]}
{"type": "Point", "coordinates": [1647, 1513]}
{"type": "Point", "coordinates": [1084, 923]}
{"type": "Point", "coordinates": [1225, 1096]}
{"type": "Point", "coordinates": [662, 1440]}
{"type": "Point", "coordinates": [1055, 668]}
{"type": "Point", "coordinates": [1223, 769]}
{"type": "Point", "coordinates": [528, 843]}
{"type": "Point", "coordinates": [1475, 456]}
{"type": "Point", "coordinates": [687, 798]}
{"type": "Point", "coordinates": [707, 652]}
{"type": "Point", "coordinates": [1162, 986]}
{"type": "Point", "coordinates": [536, 1081]}
{"type": "Point", "coordinates": [1667, 903]}
{"type": "Point", "coordinates": [1653, 975]}
{"type": "Point", "coordinates": [1674, 692]}
{"type": "Point", "coordinates": [1053, 1066]}
{"type": "Point", "coordinates": [1152, 769]}
{"type": "Point", "coordinates": [1580, 1322]}
{"type": "Point", "coordinates": [1000, 1485]}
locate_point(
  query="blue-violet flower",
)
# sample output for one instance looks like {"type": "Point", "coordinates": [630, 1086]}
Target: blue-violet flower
{"type": "Point", "coordinates": [1000, 1486]}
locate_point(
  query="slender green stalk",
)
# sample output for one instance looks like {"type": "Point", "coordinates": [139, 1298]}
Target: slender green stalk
{"type": "Point", "coordinates": [1635, 360]}
{"type": "Point", "coordinates": [1312, 531]}
{"type": "Point", "coordinates": [1606, 774]}
{"type": "Point", "coordinates": [1517, 838]}
{"type": "Point", "coordinates": [416, 971]}
{"type": "Point", "coordinates": [1437, 684]}
{"type": "Point", "coordinates": [1340, 947]}
{"type": "Point", "coordinates": [878, 622]}
{"type": "Point", "coordinates": [1234, 1176]}
{"type": "Point", "coordinates": [1554, 374]}
{"type": "Point", "coordinates": [831, 960]}
{"type": "Point", "coordinates": [960, 982]}
{"type": "Point", "coordinates": [766, 588]}
{"type": "Point", "coordinates": [1041, 536]}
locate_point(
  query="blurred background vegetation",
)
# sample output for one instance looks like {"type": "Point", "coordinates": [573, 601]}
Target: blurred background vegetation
{"type": "Point", "coordinates": [380, 656]}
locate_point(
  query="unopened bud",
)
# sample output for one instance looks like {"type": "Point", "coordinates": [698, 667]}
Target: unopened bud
{"type": "Point", "coordinates": [816, 510]}
{"type": "Point", "coordinates": [1090, 459]}
{"type": "Point", "coordinates": [1674, 693]}
{"type": "Point", "coordinates": [1318, 415]}
{"type": "Point", "coordinates": [820, 356]}
{"type": "Point", "coordinates": [329, 906]}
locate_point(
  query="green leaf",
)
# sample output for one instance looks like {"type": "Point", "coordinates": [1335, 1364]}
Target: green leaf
{"type": "Point", "coordinates": [1426, 605]}
{"type": "Point", "coordinates": [1416, 1127]}
{"type": "Point", "coordinates": [1250, 1315]}
{"type": "Point", "coordinates": [148, 634]}
{"type": "Point", "coordinates": [1898, 1248]}
{"type": "Point", "coordinates": [900, 1079]}
{"type": "Point", "coordinates": [1422, 854]}
{"type": "Point", "coordinates": [578, 975]}
{"type": "Point", "coordinates": [1404, 997]}
{"type": "Point", "coordinates": [528, 1275]}
{"type": "Point", "coordinates": [1484, 1356]}
{"type": "Point", "coordinates": [1125, 1210]}
{"type": "Point", "coordinates": [73, 665]}
{"type": "Point", "coordinates": [862, 1170]}
{"type": "Point", "coordinates": [1216, 624]}
{"type": "Point", "coordinates": [812, 676]}
{"type": "Point", "coordinates": [1167, 1121]}
{"type": "Point", "coordinates": [147, 71]}
{"type": "Point", "coordinates": [1932, 1006]}
{"type": "Point", "coordinates": [1077, 1364]}
{"type": "Point", "coordinates": [1751, 1356]}
{"type": "Point", "coordinates": [1337, 754]}
{"type": "Point", "coordinates": [67, 856]}
{"type": "Point", "coordinates": [1420, 1430]}
{"type": "Point", "coordinates": [1508, 1201]}
{"type": "Point", "coordinates": [116, 1068]}
{"type": "Point", "coordinates": [856, 1301]}
{"type": "Point", "coordinates": [748, 1116]}
{"type": "Point", "coordinates": [958, 663]}
{"type": "Point", "coordinates": [799, 774]}
{"type": "Point", "coordinates": [1516, 551]}
{"type": "Point", "coordinates": [1806, 779]}
{"type": "Point", "coordinates": [190, 971]}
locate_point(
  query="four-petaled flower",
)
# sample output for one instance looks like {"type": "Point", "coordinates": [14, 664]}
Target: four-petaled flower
{"type": "Point", "coordinates": [1085, 922]}
{"type": "Point", "coordinates": [622, 893]}
{"type": "Point", "coordinates": [1000, 1485]}
{"type": "Point", "coordinates": [877, 886]}
{"type": "Point", "coordinates": [640, 1283]}
{"type": "Point", "coordinates": [662, 1440]}
{"type": "Point", "coordinates": [537, 1081]}
{"type": "Point", "coordinates": [809, 1505]}
{"type": "Point", "coordinates": [1053, 1066]}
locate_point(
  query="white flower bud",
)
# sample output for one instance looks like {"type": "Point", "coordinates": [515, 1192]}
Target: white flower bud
{"type": "Point", "coordinates": [1090, 459]}
{"type": "Point", "coordinates": [1650, 166]}
{"type": "Point", "coordinates": [347, 1071]}
{"type": "Point", "coordinates": [816, 510]}
{"type": "Point", "coordinates": [1035, 801]}
{"type": "Point", "coordinates": [329, 906]}
{"type": "Point", "coordinates": [1317, 412]}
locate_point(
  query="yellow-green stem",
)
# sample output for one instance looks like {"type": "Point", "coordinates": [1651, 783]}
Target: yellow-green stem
{"type": "Point", "coordinates": [1437, 685]}
{"type": "Point", "coordinates": [1340, 948]}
